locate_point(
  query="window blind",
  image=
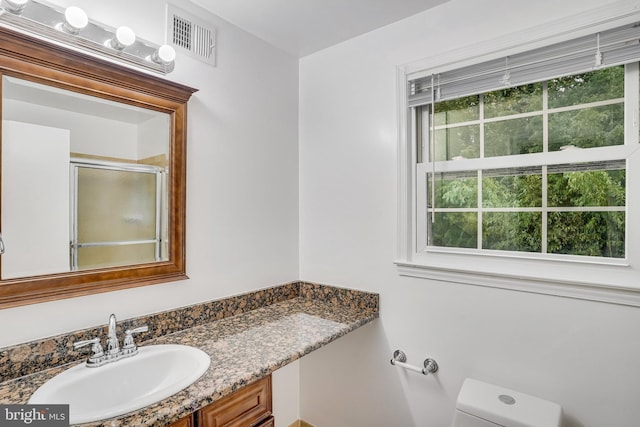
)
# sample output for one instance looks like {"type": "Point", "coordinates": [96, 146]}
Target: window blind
{"type": "Point", "coordinates": [605, 49]}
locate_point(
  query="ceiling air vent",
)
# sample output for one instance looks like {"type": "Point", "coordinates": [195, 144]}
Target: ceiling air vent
{"type": "Point", "coordinates": [191, 35]}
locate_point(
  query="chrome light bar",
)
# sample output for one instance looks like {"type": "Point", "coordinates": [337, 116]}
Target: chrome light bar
{"type": "Point", "coordinates": [71, 27]}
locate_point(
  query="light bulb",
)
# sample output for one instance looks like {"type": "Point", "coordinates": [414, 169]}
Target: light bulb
{"type": "Point", "coordinates": [164, 55]}
{"type": "Point", "coordinates": [75, 20]}
{"type": "Point", "coordinates": [15, 6]}
{"type": "Point", "coordinates": [124, 37]}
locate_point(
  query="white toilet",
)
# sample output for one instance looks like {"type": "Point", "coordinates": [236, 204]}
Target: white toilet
{"type": "Point", "coordinates": [486, 405]}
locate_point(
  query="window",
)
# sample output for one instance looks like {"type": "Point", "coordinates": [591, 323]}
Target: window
{"type": "Point", "coordinates": [520, 170]}
{"type": "Point", "coordinates": [532, 198]}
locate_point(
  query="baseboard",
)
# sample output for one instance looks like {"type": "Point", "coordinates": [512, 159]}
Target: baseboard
{"type": "Point", "coordinates": [301, 423]}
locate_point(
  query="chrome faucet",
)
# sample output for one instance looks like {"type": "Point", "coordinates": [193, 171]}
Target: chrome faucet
{"type": "Point", "coordinates": [113, 347]}
{"type": "Point", "coordinates": [113, 353]}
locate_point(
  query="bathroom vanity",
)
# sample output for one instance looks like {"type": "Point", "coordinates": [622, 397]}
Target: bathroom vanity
{"type": "Point", "coordinates": [247, 407]}
{"type": "Point", "coordinates": [247, 337]}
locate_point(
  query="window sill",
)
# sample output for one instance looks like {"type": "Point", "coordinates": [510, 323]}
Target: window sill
{"type": "Point", "coordinates": [600, 292]}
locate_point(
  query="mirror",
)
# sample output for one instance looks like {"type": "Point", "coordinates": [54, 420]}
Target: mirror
{"type": "Point", "coordinates": [98, 170]}
{"type": "Point", "coordinates": [92, 178]}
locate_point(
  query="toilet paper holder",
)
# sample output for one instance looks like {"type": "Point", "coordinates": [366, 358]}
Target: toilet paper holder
{"type": "Point", "coordinates": [400, 359]}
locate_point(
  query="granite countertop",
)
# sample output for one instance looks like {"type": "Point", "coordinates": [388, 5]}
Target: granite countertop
{"type": "Point", "coordinates": [243, 348]}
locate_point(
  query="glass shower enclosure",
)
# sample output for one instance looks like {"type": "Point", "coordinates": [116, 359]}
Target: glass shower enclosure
{"type": "Point", "coordinates": [117, 214]}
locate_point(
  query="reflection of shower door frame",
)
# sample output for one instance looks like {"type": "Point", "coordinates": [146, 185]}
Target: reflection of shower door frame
{"type": "Point", "coordinates": [77, 163]}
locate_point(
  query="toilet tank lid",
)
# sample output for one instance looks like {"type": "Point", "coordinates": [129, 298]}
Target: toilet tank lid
{"type": "Point", "coordinates": [506, 407]}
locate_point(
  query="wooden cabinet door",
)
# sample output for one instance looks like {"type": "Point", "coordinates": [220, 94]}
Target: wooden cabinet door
{"type": "Point", "coordinates": [246, 407]}
{"type": "Point", "coordinates": [185, 422]}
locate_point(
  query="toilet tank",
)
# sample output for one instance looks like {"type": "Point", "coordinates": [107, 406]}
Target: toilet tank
{"type": "Point", "coordinates": [481, 404]}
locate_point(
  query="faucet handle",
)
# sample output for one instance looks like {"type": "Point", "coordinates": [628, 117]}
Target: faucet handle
{"type": "Point", "coordinates": [96, 348]}
{"type": "Point", "coordinates": [128, 345]}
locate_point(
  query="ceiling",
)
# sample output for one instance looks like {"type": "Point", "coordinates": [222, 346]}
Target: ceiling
{"type": "Point", "coordinates": [302, 27]}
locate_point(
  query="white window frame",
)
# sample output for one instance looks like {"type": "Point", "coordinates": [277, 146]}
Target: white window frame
{"type": "Point", "coordinates": [609, 280]}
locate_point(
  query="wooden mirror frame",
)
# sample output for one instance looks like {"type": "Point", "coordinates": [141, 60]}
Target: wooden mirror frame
{"type": "Point", "coordinates": [43, 62]}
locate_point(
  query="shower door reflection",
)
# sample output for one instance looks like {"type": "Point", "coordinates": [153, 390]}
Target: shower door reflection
{"type": "Point", "coordinates": [117, 214]}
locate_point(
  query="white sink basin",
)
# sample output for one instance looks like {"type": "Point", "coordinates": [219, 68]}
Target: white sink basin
{"type": "Point", "coordinates": [155, 373]}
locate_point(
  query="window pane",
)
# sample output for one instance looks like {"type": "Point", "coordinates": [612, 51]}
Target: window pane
{"type": "Point", "coordinates": [516, 136]}
{"type": "Point", "coordinates": [595, 86]}
{"type": "Point", "coordinates": [587, 128]}
{"type": "Point", "coordinates": [455, 229]}
{"type": "Point", "coordinates": [573, 209]}
{"type": "Point", "coordinates": [455, 191]}
{"type": "Point", "coordinates": [587, 188]}
{"type": "Point", "coordinates": [515, 100]}
{"type": "Point", "coordinates": [458, 142]}
{"type": "Point", "coordinates": [512, 231]}
{"type": "Point", "coordinates": [457, 110]}
{"type": "Point", "coordinates": [598, 234]}
{"type": "Point", "coordinates": [512, 188]}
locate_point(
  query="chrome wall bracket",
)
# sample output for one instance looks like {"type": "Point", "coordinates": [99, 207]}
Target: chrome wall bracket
{"type": "Point", "coordinates": [400, 359]}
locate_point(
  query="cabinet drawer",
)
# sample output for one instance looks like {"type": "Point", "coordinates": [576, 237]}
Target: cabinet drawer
{"type": "Point", "coordinates": [270, 422]}
{"type": "Point", "coordinates": [246, 407]}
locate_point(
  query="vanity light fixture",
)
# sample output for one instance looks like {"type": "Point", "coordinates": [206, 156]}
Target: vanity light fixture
{"type": "Point", "coordinates": [14, 6]}
{"type": "Point", "coordinates": [72, 27]}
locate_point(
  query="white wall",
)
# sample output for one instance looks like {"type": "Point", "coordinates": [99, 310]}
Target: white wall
{"type": "Point", "coordinates": [583, 355]}
{"type": "Point", "coordinates": [86, 131]}
{"type": "Point", "coordinates": [35, 179]}
{"type": "Point", "coordinates": [153, 137]}
{"type": "Point", "coordinates": [242, 191]}
{"type": "Point", "coordinates": [285, 385]}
